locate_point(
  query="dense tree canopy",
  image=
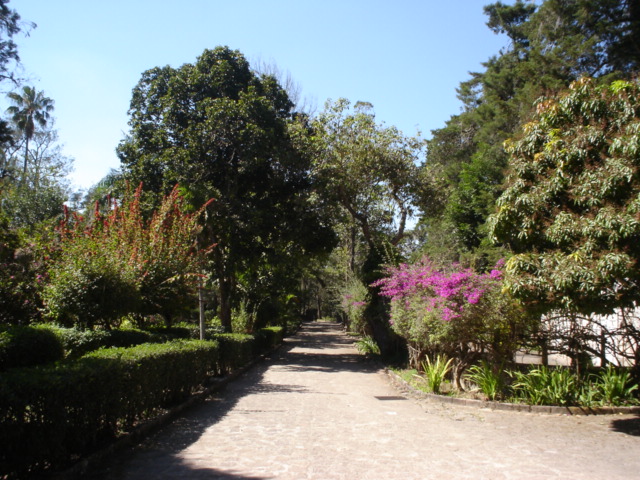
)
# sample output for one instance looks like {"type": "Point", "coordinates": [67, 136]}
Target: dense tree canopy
{"type": "Point", "coordinates": [374, 175]}
{"type": "Point", "coordinates": [222, 131]}
{"type": "Point", "coordinates": [572, 208]}
{"type": "Point", "coordinates": [551, 44]}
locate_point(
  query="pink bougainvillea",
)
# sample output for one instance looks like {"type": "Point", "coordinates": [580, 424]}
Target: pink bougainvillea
{"type": "Point", "coordinates": [449, 291]}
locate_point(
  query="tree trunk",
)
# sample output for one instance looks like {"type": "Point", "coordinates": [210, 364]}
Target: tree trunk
{"type": "Point", "coordinates": [201, 308]}
{"type": "Point", "coordinates": [26, 159]}
{"type": "Point", "coordinates": [224, 297]}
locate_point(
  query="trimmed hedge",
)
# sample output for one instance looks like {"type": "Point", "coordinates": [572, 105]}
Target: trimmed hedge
{"type": "Point", "coordinates": [269, 338]}
{"type": "Point", "coordinates": [22, 346]}
{"type": "Point", "coordinates": [50, 415]}
{"type": "Point", "coordinates": [236, 350]}
{"type": "Point", "coordinates": [53, 414]}
{"type": "Point", "coordinates": [78, 343]}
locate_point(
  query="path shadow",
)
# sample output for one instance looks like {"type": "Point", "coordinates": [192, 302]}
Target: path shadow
{"type": "Point", "coordinates": [630, 426]}
{"type": "Point", "coordinates": [140, 462]}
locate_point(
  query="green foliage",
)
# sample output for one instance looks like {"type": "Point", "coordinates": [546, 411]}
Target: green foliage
{"type": "Point", "coordinates": [570, 211]}
{"type": "Point", "coordinates": [489, 380]}
{"type": "Point", "coordinates": [454, 311]}
{"type": "Point", "coordinates": [369, 170]}
{"type": "Point", "coordinates": [551, 44]}
{"type": "Point", "coordinates": [19, 300]}
{"type": "Point", "coordinates": [30, 108]}
{"type": "Point", "coordinates": [615, 387]}
{"type": "Point", "coordinates": [367, 346]}
{"type": "Point", "coordinates": [25, 346]}
{"type": "Point", "coordinates": [370, 174]}
{"type": "Point", "coordinates": [77, 342]}
{"type": "Point", "coordinates": [435, 371]}
{"type": "Point", "coordinates": [37, 200]}
{"type": "Point", "coordinates": [236, 350]}
{"type": "Point", "coordinates": [268, 338]}
{"type": "Point", "coordinates": [50, 415]}
{"type": "Point", "coordinates": [243, 320]}
{"type": "Point", "coordinates": [355, 296]}
{"type": "Point", "coordinates": [544, 386]}
{"type": "Point", "coordinates": [122, 264]}
{"type": "Point", "coordinates": [561, 386]}
{"type": "Point", "coordinates": [238, 142]}
{"type": "Point", "coordinates": [10, 25]}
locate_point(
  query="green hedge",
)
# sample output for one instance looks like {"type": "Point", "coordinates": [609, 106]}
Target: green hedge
{"type": "Point", "coordinates": [269, 338]}
{"type": "Point", "coordinates": [22, 346]}
{"type": "Point", "coordinates": [49, 415]}
{"type": "Point", "coordinates": [236, 350]}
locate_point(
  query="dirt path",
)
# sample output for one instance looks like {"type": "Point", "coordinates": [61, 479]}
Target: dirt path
{"type": "Point", "coordinates": [317, 410]}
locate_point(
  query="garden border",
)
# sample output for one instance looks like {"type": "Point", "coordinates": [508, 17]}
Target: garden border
{"type": "Point", "coordinates": [91, 462]}
{"type": "Point", "coordinates": [399, 383]}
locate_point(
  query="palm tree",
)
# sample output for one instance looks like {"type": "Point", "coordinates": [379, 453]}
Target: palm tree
{"type": "Point", "coordinates": [30, 107]}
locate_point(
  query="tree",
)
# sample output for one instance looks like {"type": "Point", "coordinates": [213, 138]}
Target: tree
{"type": "Point", "coordinates": [224, 132]}
{"type": "Point", "coordinates": [31, 108]}
{"type": "Point", "coordinates": [10, 25]}
{"type": "Point", "coordinates": [551, 45]}
{"type": "Point", "coordinates": [371, 172]}
{"type": "Point", "coordinates": [570, 212]}
{"type": "Point", "coordinates": [41, 194]}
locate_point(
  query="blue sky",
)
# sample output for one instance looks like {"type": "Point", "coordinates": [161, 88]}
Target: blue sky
{"type": "Point", "coordinates": [406, 57]}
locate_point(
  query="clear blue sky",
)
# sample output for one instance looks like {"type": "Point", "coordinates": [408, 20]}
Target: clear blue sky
{"type": "Point", "coordinates": [406, 57]}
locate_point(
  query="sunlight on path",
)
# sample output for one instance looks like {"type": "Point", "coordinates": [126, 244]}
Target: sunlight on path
{"type": "Point", "coordinates": [318, 410]}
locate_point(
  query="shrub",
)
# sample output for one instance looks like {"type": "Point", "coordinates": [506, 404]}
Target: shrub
{"type": "Point", "coordinates": [23, 346]}
{"type": "Point", "coordinates": [236, 350]}
{"type": "Point", "coordinates": [268, 338]}
{"type": "Point", "coordinates": [614, 387]}
{"type": "Point", "coordinates": [77, 342]}
{"type": "Point", "coordinates": [49, 415]}
{"type": "Point", "coordinates": [454, 311]}
{"type": "Point", "coordinates": [353, 303]}
{"type": "Point", "coordinates": [121, 263]}
{"type": "Point", "coordinates": [367, 346]}
{"type": "Point", "coordinates": [157, 375]}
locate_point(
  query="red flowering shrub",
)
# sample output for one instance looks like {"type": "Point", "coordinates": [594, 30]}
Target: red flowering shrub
{"type": "Point", "coordinates": [122, 264]}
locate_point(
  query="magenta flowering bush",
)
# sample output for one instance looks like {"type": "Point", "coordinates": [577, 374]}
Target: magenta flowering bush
{"type": "Point", "coordinates": [448, 292]}
{"type": "Point", "coordinates": [455, 311]}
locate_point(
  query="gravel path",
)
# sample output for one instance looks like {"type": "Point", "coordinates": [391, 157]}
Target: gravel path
{"type": "Point", "coordinates": [318, 410]}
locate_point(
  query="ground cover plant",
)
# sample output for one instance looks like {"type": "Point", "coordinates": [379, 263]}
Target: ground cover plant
{"type": "Point", "coordinates": [535, 385]}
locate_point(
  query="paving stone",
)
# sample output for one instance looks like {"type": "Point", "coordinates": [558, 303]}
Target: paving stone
{"type": "Point", "coordinates": [318, 410]}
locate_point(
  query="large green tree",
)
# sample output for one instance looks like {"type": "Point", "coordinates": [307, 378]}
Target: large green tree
{"type": "Point", "coordinates": [224, 132]}
{"type": "Point", "coordinates": [371, 173]}
{"type": "Point", "coordinates": [550, 44]}
{"type": "Point", "coordinates": [571, 212]}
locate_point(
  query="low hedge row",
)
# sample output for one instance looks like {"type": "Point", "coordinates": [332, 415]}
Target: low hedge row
{"type": "Point", "coordinates": [236, 350]}
{"type": "Point", "coordinates": [50, 415]}
{"type": "Point", "coordinates": [25, 346]}
{"type": "Point", "coordinates": [22, 346]}
{"type": "Point", "coordinates": [269, 338]}
{"type": "Point", "coordinates": [77, 343]}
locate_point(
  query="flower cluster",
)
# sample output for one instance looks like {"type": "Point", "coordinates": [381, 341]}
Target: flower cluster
{"type": "Point", "coordinates": [448, 292]}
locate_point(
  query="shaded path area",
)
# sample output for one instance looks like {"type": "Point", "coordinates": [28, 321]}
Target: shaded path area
{"type": "Point", "coordinates": [318, 410]}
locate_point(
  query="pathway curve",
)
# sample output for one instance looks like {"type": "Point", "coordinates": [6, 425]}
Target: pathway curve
{"type": "Point", "coordinates": [318, 410]}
